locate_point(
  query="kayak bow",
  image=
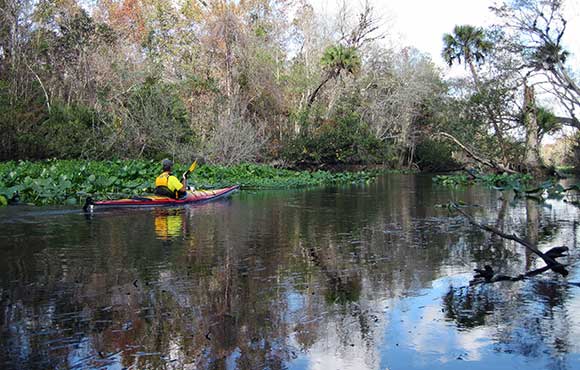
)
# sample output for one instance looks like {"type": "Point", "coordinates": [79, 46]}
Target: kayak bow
{"type": "Point", "coordinates": [196, 196]}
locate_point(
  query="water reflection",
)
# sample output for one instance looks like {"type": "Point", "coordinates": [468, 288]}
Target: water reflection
{"type": "Point", "coordinates": [357, 277]}
{"type": "Point", "coordinates": [529, 319]}
{"type": "Point", "coordinates": [169, 223]}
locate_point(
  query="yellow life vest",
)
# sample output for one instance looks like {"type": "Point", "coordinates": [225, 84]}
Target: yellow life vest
{"type": "Point", "coordinates": [162, 186]}
{"type": "Point", "coordinates": [162, 180]}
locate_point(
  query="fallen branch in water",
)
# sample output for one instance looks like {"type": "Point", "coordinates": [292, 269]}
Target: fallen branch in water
{"type": "Point", "coordinates": [549, 259]}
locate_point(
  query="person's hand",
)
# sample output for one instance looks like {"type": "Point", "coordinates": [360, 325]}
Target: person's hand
{"type": "Point", "coordinates": [183, 178]}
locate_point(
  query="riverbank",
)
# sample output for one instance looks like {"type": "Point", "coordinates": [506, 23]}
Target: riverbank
{"type": "Point", "coordinates": [70, 181]}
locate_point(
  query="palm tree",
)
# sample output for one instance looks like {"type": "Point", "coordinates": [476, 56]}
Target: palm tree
{"type": "Point", "coordinates": [548, 122]}
{"type": "Point", "coordinates": [335, 59]}
{"type": "Point", "coordinates": [467, 43]}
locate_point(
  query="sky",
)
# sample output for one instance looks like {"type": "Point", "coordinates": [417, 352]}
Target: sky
{"type": "Point", "coordinates": [422, 23]}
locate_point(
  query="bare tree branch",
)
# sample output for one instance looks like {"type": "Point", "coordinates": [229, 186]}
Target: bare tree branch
{"type": "Point", "coordinates": [550, 262]}
{"type": "Point", "coordinates": [471, 153]}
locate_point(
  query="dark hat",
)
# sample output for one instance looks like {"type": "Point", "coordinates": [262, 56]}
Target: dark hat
{"type": "Point", "coordinates": [166, 163]}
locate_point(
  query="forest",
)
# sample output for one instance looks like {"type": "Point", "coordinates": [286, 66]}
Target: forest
{"type": "Point", "coordinates": [273, 81]}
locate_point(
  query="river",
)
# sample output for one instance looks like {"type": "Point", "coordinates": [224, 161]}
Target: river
{"type": "Point", "coordinates": [366, 276]}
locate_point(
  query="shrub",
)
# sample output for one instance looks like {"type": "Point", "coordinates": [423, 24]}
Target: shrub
{"type": "Point", "coordinates": [152, 122]}
{"type": "Point", "coordinates": [342, 140]}
{"type": "Point", "coordinates": [19, 121]}
{"type": "Point", "coordinates": [71, 131]}
{"type": "Point", "coordinates": [434, 156]}
{"type": "Point", "coordinates": [235, 140]}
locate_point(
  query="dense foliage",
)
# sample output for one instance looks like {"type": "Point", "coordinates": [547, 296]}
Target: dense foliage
{"type": "Point", "coordinates": [272, 80]}
{"type": "Point", "coordinates": [499, 181]}
{"type": "Point", "coordinates": [70, 181]}
{"type": "Point", "coordinates": [344, 140]}
{"type": "Point", "coordinates": [435, 156]}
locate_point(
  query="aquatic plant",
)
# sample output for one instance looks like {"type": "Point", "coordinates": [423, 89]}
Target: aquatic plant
{"type": "Point", "coordinates": [504, 181]}
{"type": "Point", "coordinates": [70, 181]}
{"type": "Point", "coordinates": [521, 184]}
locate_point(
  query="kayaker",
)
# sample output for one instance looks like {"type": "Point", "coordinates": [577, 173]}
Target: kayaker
{"type": "Point", "coordinates": [168, 185]}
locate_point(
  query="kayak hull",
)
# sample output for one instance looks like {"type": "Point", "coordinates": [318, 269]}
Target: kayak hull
{"type": "Point", "coordinates": [195, 196]}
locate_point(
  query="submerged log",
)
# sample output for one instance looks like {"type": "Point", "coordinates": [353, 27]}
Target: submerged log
{"type": "Point", "coordinates": [494, 278]}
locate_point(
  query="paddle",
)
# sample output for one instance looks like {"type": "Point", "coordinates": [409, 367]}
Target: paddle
{"type": "Point", "coordinates": [190, 169]}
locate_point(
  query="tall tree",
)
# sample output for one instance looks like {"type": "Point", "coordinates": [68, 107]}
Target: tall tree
{"type": "Point", "coordinates": [344, 54]}
{"type": "Point", "coordinates": [467, 43]}
{"type": "Point", "coordinates": [535, 29]}
{"type": "Point", "coordinates": [470, 45]}
{"type": "Point", "coordinates": [336, 59]}
{"type": "Point", "coordinates": [532, 158]}
{"type": "Point", "coordinates": [397, 89]}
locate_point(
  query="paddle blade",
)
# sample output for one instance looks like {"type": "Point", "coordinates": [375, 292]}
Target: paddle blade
{"type": "Point", "coordinates": [192, 167]}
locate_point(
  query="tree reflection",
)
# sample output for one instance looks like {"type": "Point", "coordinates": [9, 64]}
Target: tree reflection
{"type": "Point", "coordinates": [527, 310]}
{"type": "Point", "coordinates": [466, 307]}
{"type": "Point", "coordinates": [522, 312]}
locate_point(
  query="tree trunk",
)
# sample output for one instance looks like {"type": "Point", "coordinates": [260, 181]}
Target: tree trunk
{"type": "Point", "coordinates": [474, 75]}
{"type": "Point", "coordinates": [315, 92]}
{"type": "Point", "coordinates": [490, 111]}
{"type": "Point", "coordinates": [532, 158]}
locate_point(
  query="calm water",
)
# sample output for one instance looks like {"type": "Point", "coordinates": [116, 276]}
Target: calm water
{"type": "Point", "coordinates": [356, 277]}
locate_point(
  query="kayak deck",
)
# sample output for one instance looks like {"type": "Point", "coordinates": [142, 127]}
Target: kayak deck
{"type": "Point", "coordinates": [195, 196]}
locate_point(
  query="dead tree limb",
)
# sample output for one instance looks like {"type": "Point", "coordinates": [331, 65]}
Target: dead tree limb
{"type": "Point", "coordinates": [41, 86]}
{"type": "Point", "coordinates": [551, 263]}
{"type": "Point", "coordinates": [494, 278]}
{"type": "Point", "coordinates": [486, 162]}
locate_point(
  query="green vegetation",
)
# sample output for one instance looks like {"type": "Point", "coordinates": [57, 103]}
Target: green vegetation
{"type": "Point", "coordinates": [344, 140]}
{"type": "Point", "coordinates": [566, 170]}
{"type": "Point", "coordinates": [434, 156]}
{"type": "Point", "coordinates": [70, 181]}
{"type": "Point", "coordinates": [498, 181]}
{"type": "Point", "coordinates": [521, 185]}
{"type": "Point", "coordinates": [266, 177]}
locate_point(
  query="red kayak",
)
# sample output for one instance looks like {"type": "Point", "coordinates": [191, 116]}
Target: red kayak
{"type": "Point", "coordinates": [196, 196]}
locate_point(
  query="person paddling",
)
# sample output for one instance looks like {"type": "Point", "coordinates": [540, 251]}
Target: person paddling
{"type": "Point", "coordinates": [168, 185]}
